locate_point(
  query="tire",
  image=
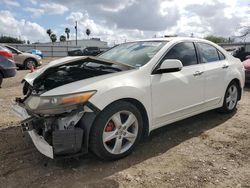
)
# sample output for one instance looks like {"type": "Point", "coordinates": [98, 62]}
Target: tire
{"type": "Point", "coordinates": [230, 98]}
{"type": "Point", "coordinates": [112, 129]}
{"type": "Point", "coordinates": [29, 62]}
{"type": "Point", "coordinates": [1, 79]}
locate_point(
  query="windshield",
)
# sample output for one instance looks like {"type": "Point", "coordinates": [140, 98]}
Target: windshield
{"type": "Point", "coordinates": [136, 54]}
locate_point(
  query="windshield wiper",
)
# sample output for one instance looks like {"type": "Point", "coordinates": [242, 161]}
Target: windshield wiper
{"type": "Point", "coordinates": [109, 67]}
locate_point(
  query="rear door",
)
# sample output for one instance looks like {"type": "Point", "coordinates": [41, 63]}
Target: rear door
{"type": "Point", "coordinates": [177, 94]}
{"type": "Point", "coordinates": [215, 69]}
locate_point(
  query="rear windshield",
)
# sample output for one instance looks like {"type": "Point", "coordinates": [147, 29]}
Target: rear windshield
{"type": "Point", "coordinates": [136, 54]}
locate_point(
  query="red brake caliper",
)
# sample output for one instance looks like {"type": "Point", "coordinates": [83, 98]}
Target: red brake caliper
{"type": "Point", "coordinates": [110, 126]}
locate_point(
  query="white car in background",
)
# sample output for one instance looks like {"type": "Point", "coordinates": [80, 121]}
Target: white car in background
{"type": "Point", "coordinates": [107, 103]}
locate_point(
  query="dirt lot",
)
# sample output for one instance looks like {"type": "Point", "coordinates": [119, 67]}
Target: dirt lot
{"type": "Point", "coordinates": [208, 150]}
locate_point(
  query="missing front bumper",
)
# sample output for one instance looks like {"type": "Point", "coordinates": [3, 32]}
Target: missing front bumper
{"type": "Point", "coordinates": [41, 145]}
{"type": "Point", "coordinates": [64, 142]}
{"type": "Point", "coordinates": [54, 141]}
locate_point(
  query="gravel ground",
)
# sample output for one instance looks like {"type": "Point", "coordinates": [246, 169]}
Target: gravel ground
{"type": "Point", "coordinates": [208, 150]}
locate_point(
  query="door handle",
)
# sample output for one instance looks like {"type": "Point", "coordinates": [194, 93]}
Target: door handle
{"type": "Point", "coordinates": [225, 66]}
{"type": "Point", "coordinates": [198, 73]}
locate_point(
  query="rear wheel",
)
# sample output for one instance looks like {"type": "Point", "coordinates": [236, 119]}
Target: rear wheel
{"type": "Point", "coordinates": [231, 98]}
{"type": "Point", "coordinates": [116, 131]}
{"type": "Point", "coordinates": [29, 63]}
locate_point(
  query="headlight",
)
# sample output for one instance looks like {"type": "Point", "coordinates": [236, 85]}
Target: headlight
{"type": "Point", "coordinates": [57, 103]}
{"type": "Point", "coordinates": [38, 57]}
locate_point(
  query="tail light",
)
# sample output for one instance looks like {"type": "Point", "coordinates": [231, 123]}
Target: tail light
{"type": "Point", "coordinates": [6, 53]}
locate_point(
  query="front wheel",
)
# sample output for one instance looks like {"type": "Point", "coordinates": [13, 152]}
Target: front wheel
{"type": "Point", "coordinates": [116, 131]}
{"type": "Point", "coordinates": [231, 98]}
{"type": "Point", "coordinates": [30, 63]}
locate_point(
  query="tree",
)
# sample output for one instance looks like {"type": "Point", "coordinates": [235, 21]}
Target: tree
{"type": "Point", "coordinates": [62, 38]}
{"type": "Point", "coordinates": [216, 39]}
{"type": "Point", "coordinates": [67, 31]}
{"type": "Point", "coordinates": [88, 32]}
{"type": "Point", "coordinates": [245, 31]}
{"type": "Point", "coordinates": [5, 39]}
{"type": "Point", "coordinates": [28, 42]}
{"type": "Point", "coordinates": [53, 37]}
{"type": "Point", "coordinates": [49, 32]}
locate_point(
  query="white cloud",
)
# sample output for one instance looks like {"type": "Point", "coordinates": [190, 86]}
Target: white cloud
{"type": "Point", "coordinates": [165, 16]}
{"type": "Point", "coordinates": [48, 8]}
{"type": "Point", "coordinates": [11, 3]}
{"type": "Point", "coordinates": [120, 20]}
{"type": "Point", "coordinates": [33, 2]}
{"type": "Point", "coordinates": [24, 29]}
{"type": "Point", "coordinates": [112, 34]}
{"type": "Point", "coordinates": [54, 8]}
{"type": "Point", "coordinates": [36, 12]}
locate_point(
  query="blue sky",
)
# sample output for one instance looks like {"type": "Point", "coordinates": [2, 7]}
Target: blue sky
{"type": "Point", "coordinates": [119, 20]}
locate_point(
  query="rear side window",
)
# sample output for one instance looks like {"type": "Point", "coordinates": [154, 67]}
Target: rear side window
{"type": "Point", "coordinates": [208, 53]}
{"type": "Point", "coordinates": [185, 52]}
{"type": "Point", "coordinates": [221, 55]}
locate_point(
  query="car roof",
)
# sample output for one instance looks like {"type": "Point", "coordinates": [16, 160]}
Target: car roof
{"type": "Point", "coordinates": [3, 47]}
{"type": "Point", "coordinates": [168, 39]}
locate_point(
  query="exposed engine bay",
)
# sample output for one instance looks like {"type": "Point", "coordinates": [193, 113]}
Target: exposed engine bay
{"type": "Point", "coordinates": [72, 72]}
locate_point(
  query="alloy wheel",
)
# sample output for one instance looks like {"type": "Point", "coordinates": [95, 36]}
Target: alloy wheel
{"type": "Point", "coordinates": [232, 97]}
{"type": "Point", "coordinates": [120, 132]}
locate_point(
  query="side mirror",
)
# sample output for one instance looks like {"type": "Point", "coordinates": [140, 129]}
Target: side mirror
{"type": "Point", "coordinates": [169, 65]}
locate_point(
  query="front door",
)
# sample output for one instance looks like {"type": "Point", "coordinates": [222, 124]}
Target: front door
{"type": "Point", "coordinates": [177, 94]}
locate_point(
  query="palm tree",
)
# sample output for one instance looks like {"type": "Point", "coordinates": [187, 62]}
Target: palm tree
{"type": "Point", "coordinates": [49, 32]}
{"type": "Point", "coordinates": [67, 31]}
{"type": "Point", "coordinates": [88, 32]}
{"type": "Point", "coordinates": [53, 37]}
{"type": "Point", "coordinates": [62, 38]}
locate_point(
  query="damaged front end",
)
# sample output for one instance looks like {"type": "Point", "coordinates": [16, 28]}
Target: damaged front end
{"type": "Point", "coordinates": [59, 125]}
{"type": "Point", "coordinates": [57, 134]}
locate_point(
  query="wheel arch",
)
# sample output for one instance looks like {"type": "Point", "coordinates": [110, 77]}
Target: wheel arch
{"type": "Point", "coordinates": [1, 73]}
{"type": "Point", "coordinates": [144, 114]}
{"type": "Point", "coordinates": [89, 119]}
{"type": "Point", "coordinates": [139, 105]}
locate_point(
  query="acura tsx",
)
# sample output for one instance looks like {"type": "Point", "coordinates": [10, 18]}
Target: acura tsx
{"type": "Point", "coordinates": [105, 104]}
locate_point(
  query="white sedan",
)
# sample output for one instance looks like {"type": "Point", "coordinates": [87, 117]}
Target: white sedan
{"type": "Point", "coordinates": [107, 103]}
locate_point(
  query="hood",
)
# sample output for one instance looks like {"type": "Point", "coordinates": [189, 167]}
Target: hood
{"type": "Point", "coordinates": [31, 55]}
{"type": "Point", "coordinates": [68, 70]}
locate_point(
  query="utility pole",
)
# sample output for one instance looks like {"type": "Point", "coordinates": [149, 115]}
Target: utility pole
{"type": "Point", "coordinates": [76, 32]}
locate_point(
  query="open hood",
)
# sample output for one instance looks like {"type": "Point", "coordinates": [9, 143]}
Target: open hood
{"type": "Point", "coordinates": [30, 78]}
{"type": "Point", "coordinates": [70, 69]}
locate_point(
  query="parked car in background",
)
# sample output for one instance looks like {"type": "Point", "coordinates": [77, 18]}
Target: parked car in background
{"type": "Point", "coordinates": [89, 51]}
{"type": "Point", "coordinates": [107, 103]}
{"type": "Point", "coordinates": [7, 65]}
{"type": "Point", "coordinates": [35, 52]}
{"type": "Point", "coordinates": [241, 53]}
{"type": "Point", "coordinates": [24, 60]}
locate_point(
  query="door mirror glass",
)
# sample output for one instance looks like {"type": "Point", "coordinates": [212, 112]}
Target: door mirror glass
{"type": "Point", "coordinates": [169, 65]}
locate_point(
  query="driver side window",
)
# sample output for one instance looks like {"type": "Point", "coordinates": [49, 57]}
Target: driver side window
{"type": "Point", "coordinates": [185, 52]}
